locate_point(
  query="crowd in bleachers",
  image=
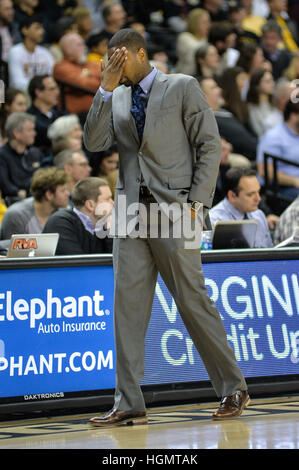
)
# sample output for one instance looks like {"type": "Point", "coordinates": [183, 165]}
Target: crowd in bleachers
{"type": "Point", "coordinates": [244, 53]}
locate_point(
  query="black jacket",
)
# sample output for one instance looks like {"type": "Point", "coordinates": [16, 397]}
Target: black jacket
{"type": "Point", "coordinates": [16, 169]}
{"type": "Point", "coordinates": [74, 239]}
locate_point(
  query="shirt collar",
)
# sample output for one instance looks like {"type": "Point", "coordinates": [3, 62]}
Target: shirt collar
{"type": "Point", "coordinates": [235, 212]}
{"type": "Point", "coordinates": [147, 82]}
{"type": "Point", "coordinates": [85, 219]}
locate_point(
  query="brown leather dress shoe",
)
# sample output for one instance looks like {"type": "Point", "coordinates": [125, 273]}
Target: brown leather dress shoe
{"type": "Point", "coordinates": [232, 405]}
{"type": "Point", "coordinates": [117, 417]}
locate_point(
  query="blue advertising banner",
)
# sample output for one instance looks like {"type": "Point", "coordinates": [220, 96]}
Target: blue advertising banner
{"type": "Point", "coordinates": [56, 327]}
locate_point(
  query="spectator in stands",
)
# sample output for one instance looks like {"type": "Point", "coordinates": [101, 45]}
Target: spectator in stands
{"type": "Point", "coordinates": [76, 226]}
{"type": "Point", "coordinates": [65, 25]}
{"type": "Point", "coordinates": [228, 160]}
{"type": "Point", "coordinates": [15, 101]}
{"type": "Point", "coordinates": [114, 16]}
{"type": "Point", "coordinates": [242, 141]}
{"type": "Point", "coordinates": [98, 46]}
{"type": "Point", "coordinates": [9, 30]}
{"type": "Point", "coordinates": [198, 26]}
{"type": "Point", "coordinates": [278, 12]}
{"type": "Point", "coordinates": [25, 9]}
{"type": "Point", "coordinates": [207, 61]}
{"type": "Point", "coordinates": [27, 58]}
{"type": "Point", "coordinates": [253, 21]}
{"type": "Point", "coordinates": [241, 202]}
{"type": "Point", "coordinates": [244, 23]}
{"type": "Point", "coordinates": [66, 126]}
{"type": "Point", "coordinates": [262, 114]}
{"type": "Point", "coordinates": [83, 21]}
{"type": "Point", "coordinates": [251, 59]}
{"type": "Point", "coordinates": [65, 143]}
{"type": "Point", "coordinates": [75, 71]}
{"type": "Point", "coordinates": [283, 141]}
{"type": "Point", "coordinates": [216, 8]}
{"type": "Point", "coordinates": [105, 165]}
{"type": "Point", "coordinates": [49, 191]}
{"type": "Point", "coordinates": [223, 37]}
{"type": "Point", "coordinates": [75, 164]}
{"type": "Point", "coordinates": [270, 42]}
{"type": "Point", "coordinates": [175, 13]}
{"type": "Point", "coordinates": [292, 71]}
{"type": "Point", "coordinates": [282, 93]}
{"type": "Point", "coordinates": [18, 158]}
{"type": "Point", "coordinates": [44, 94]}
{"type": "Point", "coordinates": [288, 221]}
{"type": "Point", "coordinates": [232, 82]}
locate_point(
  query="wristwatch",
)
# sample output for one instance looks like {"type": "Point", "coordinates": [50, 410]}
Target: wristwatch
{"type": "Point", "coordinates": [195, 205]}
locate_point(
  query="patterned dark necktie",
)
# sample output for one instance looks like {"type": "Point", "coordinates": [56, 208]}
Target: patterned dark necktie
{"type": "Point", "coordinates": [137, 109]}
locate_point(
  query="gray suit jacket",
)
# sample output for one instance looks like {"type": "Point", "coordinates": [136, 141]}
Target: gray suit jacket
{"type": "Point", "coordinates": [180, 152]}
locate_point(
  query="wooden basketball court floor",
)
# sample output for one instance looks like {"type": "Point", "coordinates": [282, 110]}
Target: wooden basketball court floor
{"type": "Point", "coordinates": [268, 423]}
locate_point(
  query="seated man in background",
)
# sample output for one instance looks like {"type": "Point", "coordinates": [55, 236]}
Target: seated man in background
{"type": "Point", "coordinates": [19, 159]}
{"type": "Point", "coordinates": [49, 192]}
{"type": "Point", "coordinates": [44, 94]}
{"type": "Point", "coordinates": [75, 164]}
{"type": "Point", "coordinates": [241, 202]}
{"type": "Point", "coordinates": [283, 141]}
{"type": "Point", "coordinates": [288, 221]}
{"type": "Point", "coordinates": [76, 227]}
{"type": "Point", "coordinates": [75, 70]}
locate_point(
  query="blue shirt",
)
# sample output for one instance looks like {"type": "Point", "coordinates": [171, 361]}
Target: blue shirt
{"type": "Point", "coordinates": [225, 211]}
{"type": "Point", "coordinates": [86, 221]}
{"type": "Point", "coordinates": [280, 141]}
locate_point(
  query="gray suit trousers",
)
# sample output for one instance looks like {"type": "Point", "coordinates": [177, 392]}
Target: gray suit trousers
{"type": "Point", "coordinates": [137, 262]}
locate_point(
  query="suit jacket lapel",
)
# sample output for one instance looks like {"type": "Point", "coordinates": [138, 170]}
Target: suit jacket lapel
{"type": "Point", "coordinates": [154, 103]}
{"type": "Point", "coordinates": [125, 108]}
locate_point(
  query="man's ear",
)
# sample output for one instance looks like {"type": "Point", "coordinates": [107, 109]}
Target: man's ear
{"type": "Point", "coordinates": [231, 195]}
{"type": "Point", "coordinates": [141, 54]}
{"type": "Point", "coordinates": [89, 205]}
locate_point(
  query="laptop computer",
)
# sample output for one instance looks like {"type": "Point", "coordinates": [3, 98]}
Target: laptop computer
{"type": "Point", "coordinates": [33, 244]}
{"type": "Point", "coordinates": [234, 234]}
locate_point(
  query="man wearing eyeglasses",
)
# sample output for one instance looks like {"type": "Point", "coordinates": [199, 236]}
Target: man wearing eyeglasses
{"type": "Point", "coordinates": [44, 94]}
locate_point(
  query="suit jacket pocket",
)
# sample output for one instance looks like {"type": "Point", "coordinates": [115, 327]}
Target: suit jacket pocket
{"type": "Point", "coordinates": [179, 182]}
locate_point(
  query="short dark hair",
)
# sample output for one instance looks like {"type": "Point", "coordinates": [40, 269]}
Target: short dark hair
{"type": "Point", "coordinates": [233, 176]}
{"type": "Point", "coordinates": [129, 38]}
{"type": "Point", "coordinates": [36, 83]}
{"type": "Point", "coordinates": [27, 21]}
{"type": "Point", "coordinates": [94, 39]}
{"type": "Point", "coordinates": [87, 188]}
{"type": "Point", "coordinates": [219, 31]}
{"type": "Point", "coordinates": [46, 179]}
{"type": "Point", "coordinates": [272, 26]}
{"type": "Point", "coordinates": [291, 107]}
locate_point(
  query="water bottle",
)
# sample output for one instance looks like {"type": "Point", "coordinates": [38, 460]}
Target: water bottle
{"type": "Point", "coordinates": [206, 240]}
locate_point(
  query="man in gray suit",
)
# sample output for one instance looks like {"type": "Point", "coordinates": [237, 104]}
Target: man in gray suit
{"type": "Point", "coordinates": [169, 154]}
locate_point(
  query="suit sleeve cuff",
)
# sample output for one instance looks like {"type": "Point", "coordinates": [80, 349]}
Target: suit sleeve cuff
{"type": "Point", "coordinates": [106, 94]}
